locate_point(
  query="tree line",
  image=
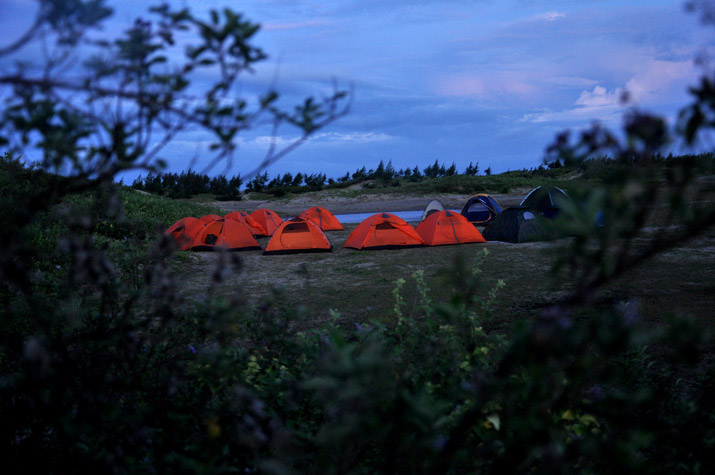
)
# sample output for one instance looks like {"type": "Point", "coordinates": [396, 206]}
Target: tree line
{"type": "Point", "coordinates": [190, 183]}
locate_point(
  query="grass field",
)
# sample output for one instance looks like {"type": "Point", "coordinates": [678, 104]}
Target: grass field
{"type": "Point", "coordinates": [359, 284]}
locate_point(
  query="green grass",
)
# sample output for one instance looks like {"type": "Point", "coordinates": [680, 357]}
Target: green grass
{"type": "Point", "coordinates": [460, 184]}
{"type": "Point", "coordinates": [358, 284]}
{"type": "Point", "coordinates": [151, 210]}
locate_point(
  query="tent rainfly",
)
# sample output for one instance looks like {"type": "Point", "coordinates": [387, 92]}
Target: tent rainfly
{"type": "Point", "coordinates": [432, 207]}
{"type": "Point", "coordinates": [518, 224]}
{"type": "Point", "coordinates": [248, 221]}
{"type": "Point", "coordinates": [298, 235]}
{"type": "Point", "coordinates": [269, 220]}
{"type": "Point", "coordinates": [323, 218]}
{"type": "Point", "coordinates": [480, 209]}
{"type": "Point", "coordinates": [206, 219]}
{"type": "Point", "coordinates": [545, 199]}
{"type": "Point", "coordinates": [184, 231]}
{"type": "Point", "coordinates": [447, 227]}
{"type": "Point", "coordinates": [383, 231]}
{"type": "Point", "coordinates": [224, 234]}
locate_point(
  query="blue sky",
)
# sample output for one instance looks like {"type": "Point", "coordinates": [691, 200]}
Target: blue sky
{"type": "Point", "coordinates": [458, 81]}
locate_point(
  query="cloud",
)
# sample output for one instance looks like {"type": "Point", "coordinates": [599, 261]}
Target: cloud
{"type": "Point", "coordinates": [600, 97]}
{"type": "Point", "coordinates": [324, 138]}
{"type": "Point", "coordinates": [355, 137]}
{"type": "Point", "coordinates": [487, 85]}
{"type": "Point", "coordinates": [656, 79]}
{"type": "Point", "coordinates": [571, 81]}
{"type": "Point", "coordinates": [656, 83]}
{"type": "Point", "coordinates": [294, 25]}
{"type": "Point", "coordinates": [596, 104]}
{"type": "Point", "coordinates": [549, 16]}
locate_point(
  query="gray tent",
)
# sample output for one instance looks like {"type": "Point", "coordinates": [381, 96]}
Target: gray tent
{"type": "Point", "coordinates": [517, 224]}
{"type": "Point", "coordinates": [545, 199]}
{"type": "Point", "coordinates": [432, 207]}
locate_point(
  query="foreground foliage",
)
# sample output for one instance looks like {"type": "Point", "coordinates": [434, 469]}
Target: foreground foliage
{"type": "Point", "coordinates": [104, 367]}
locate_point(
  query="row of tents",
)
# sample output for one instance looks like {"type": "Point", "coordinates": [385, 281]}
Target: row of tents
{"type": "Point", "coordinates": [238, 231]}
{"type": "Point", "coordinates": [306, 233]}
{"type": "Point", "coordinates": [513, 224]}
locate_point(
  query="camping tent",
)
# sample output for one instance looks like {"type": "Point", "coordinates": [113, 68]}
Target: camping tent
{"type": "Point", "coordinates": [447, 227]}
{"type": "Point", "coordinates": [383, 231]}
{"type": "Point", "coordinates": [184, 230]}
{"type": "Point", "coordinates": [480, 209]}
{"type": "Point", "coordinates": [248, 221]}
{"type": "Point", "coordinates": [226, 234]}
{"type": "Point", "coordinates": [298, 235]}
{"type": "Point", "coordinates": [210, 217]}
{"type": "Point", "coordinates": [323, 218]}
{"type": "Point", "coordinates": [268, 220]}
{"type": "Point", "coordinates": [518, 224]}
{"type": "Point", "coordinates": [545, 199]}
{"type": "Point", "coordinates": [432, 207]}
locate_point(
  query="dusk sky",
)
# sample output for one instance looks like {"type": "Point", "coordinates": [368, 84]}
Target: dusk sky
{"type": "Point", "coordinates": [458, 81]}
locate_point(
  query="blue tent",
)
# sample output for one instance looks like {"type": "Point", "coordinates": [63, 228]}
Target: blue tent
{"type": "Point", "coordinates": [480, 209]}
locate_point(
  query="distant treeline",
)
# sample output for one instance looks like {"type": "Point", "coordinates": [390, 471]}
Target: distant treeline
{"type": "Point", "coordinates": [188, 184]}
{"type": "Point", "coordinates": [384, 172]}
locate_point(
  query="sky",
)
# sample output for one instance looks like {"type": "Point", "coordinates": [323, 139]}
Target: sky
{"type": "Point", "coordinates": [484, 81]}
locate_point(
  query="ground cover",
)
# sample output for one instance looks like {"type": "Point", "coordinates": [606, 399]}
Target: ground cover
{"type": "Point", "coordinates": [358, 284]}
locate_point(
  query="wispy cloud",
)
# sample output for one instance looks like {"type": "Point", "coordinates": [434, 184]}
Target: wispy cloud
{"type": "Point", "coordinates": [549, 16]}
{"type": "Point", "coordinates": [294, 25]}
{"type": "Point", "coordinates": [503, 83]}
{"type": "Point", "coordinates": [323, 137]}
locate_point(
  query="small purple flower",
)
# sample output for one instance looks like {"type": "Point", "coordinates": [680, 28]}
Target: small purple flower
{"type": "Point", "coordinates": [193, 350]}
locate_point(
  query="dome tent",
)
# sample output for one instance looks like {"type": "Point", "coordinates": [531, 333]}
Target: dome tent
{"type": "Point", "coordinates": [432, 207]}
{"type": "Point", "coordinates": [269, 220]}
{"type": "Point", "coordinates": [298, 235]}
{"type": "Point", "coordinates": [184, 231]}
{"type": "Point", "coordinates": [323, 218]}
{"type": "Point", "coordinates": [206, 219]}
{"type": "Point", "coordinates": [480, 209]}
{"type": "Point", "coordinates": [248, 221]}
{"type": "Point", "coordinates": [224, 234]}
{"type": "Point", "coordinates": [545, 199]}
{"type": "Point", "coordinates": [383, 231]}
{"type": "Point", "coordinates": [447, 227]}
{"type": "Point", "coordinates": [517, 224]}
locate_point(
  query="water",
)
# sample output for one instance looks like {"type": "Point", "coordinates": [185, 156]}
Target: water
{"type": "Point", "coordinates": [409, 216]}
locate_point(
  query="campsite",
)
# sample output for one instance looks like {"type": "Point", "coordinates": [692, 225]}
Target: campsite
{"type": "Point", "coordinates": [337, 280]}
{"type": "Point", "coordinates": [422, 238]}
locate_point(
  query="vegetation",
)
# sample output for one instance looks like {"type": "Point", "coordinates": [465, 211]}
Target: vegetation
{"type": "Point", "coordinates": [105, 366]}
{"type": "Point", "coordinates": [385, 179]}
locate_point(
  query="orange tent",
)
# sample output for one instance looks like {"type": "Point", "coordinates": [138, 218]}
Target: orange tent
{"type": "Point", "coordinates": [246, 219]}
{"type": "Point", "coordinates": [184, 230]}
{"type": "Point", "coordinates": [383, 231]}
{"type": "Point", "coordinates": [210, 217]}
{"type": "Point", "coordinates": [323, 218]}
{"type": "Point", "coordinates": [268, 220]}
{"type": "Point", "coordinates": [226, 234]}
{"type": "Point", "coordinates": [447, 227]}
{"type": "Point", "coordinates": [298, 235]}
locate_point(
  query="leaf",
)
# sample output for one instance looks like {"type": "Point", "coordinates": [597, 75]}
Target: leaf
{"type": "Point", "coordinates": [494, 420]}
{"type": "Point", "coordinates": [588, 419]}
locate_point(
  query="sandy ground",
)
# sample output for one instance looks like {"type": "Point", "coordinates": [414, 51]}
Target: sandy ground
{"type": "Point", "coordinates": [365, 203]}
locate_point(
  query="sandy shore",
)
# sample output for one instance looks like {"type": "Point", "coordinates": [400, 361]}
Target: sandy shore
{"type": "Point", "coordinates": [364, 203]}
